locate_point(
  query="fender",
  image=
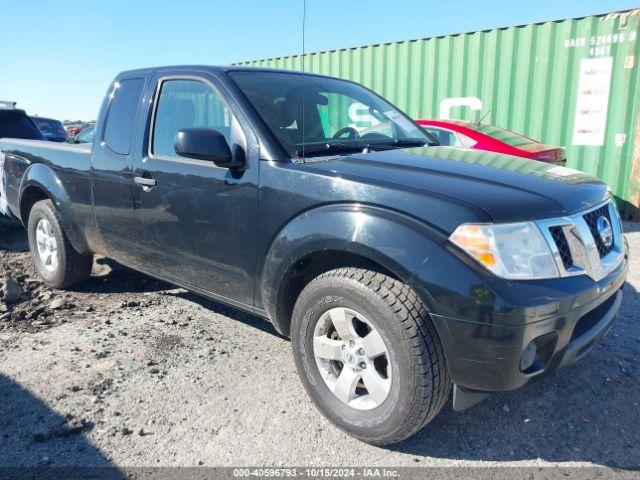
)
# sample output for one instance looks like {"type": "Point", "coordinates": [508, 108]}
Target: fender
{"type": "Point", "coordinates": [395, 241]}
{"type": "Point", "coordinates": [44, 178]}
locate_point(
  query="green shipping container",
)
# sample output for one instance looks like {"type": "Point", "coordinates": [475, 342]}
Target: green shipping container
{"type": "Point", "coordinates": [572, 83]}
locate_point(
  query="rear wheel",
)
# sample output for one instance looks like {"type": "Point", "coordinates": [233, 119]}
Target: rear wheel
{"type": "Point", "coordinates": [368, 354]}
{"type": "Point", "coordinates": [57, 262]}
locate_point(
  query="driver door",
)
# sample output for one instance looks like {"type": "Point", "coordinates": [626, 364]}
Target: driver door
{"type": "Point", "coordinates": [196, 222]}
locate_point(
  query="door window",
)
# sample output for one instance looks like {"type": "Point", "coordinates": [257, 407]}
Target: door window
{"type": "Point", "coordinates": [86, 135]}
{"type": "Point", "coordinates": [186, 104]}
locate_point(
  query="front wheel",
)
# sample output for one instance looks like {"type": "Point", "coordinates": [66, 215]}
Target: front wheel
{"type": "Point", "coordinates": [368, 354]}
{"type": "Point", "coordinates": [57, 262]}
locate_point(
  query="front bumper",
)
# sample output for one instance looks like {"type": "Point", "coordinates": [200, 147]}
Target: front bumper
{"type": "Point", "coordinates": [485, 342]}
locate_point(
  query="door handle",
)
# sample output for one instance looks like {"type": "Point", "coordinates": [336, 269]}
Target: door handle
{"type": "Point", "coordinates": [145, 181]}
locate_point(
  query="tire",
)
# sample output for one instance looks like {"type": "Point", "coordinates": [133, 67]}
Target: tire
{"type": "Point", "coordinates": [60, 266]}
{"type": "Point", "coordinates": [417, 379]}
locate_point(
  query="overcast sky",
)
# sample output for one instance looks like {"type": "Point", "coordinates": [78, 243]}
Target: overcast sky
{"type": "Point", "coordinates": [57, 58]}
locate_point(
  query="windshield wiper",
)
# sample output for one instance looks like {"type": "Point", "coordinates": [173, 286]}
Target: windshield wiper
{"type": "Point", "coordinates": [333, 147]}
{"type": "Point", "coordinates": [410, 142]}
{"type": "Point", "coordinates": [344, 147]}
{"type": "Point", "coordinates": [399, 143]}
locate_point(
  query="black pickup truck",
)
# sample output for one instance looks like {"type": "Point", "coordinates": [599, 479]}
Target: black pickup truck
{"type": "Point", "coordinates": [398, 267]}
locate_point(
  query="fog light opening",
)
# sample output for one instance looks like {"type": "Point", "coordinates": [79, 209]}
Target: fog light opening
{"type": "Point", "coordinates": [528, 358]}
{"type": "Point", "coordinates": [537, 354]}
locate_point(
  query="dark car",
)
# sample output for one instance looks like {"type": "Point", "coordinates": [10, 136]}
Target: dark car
{"type": "Point", "coordinates": [53, 130]}
{"type": "Point", "coordinates": [14, 123]}
{"type": "Point", "coordinates": [398, 269]}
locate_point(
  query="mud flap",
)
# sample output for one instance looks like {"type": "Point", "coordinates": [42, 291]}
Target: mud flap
{"type": "Point", "coordinates": [463, 398]}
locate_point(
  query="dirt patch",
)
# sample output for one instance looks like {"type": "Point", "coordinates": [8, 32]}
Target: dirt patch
{"type": "Point", "coordinates": [28, 305]}
{"type": "Point", "coordinates": [167, 343]}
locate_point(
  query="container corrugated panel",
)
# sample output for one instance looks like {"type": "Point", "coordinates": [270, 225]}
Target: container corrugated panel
{"type": "Point", "coordinates": [571, 82]}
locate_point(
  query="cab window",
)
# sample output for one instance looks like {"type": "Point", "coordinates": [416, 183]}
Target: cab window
{"type": "Point", "coordinates": [186, 104]}
{"type": "Point", "coordinates": [121, 116]}
{"type": "Point", "coordinates": [16, 124]}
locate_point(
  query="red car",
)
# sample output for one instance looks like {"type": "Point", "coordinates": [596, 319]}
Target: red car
{"type": "Point", "coordinates": [458, 133]}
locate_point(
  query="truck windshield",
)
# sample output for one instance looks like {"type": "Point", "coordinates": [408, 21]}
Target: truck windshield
{"type": "Point", "coordinates": [315, 115]}
{"type": "Point", "coordinates": [16, 124]}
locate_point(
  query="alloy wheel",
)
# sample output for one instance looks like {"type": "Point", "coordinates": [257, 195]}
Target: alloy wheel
{"type": "Point", "coordinates": [47, 245]}
{"type": "Point", "coordinates": [352, 358]}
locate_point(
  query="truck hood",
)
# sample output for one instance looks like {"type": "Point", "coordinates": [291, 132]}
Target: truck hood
{"type": "Point", "coordinates": [506, 188]}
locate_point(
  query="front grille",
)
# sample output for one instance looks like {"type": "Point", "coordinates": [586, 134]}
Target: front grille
{"type": "Point", "coordinates": [563, 246]}
{"type": "Point", "coordinates": [592, 218]}
{"type": "Point", "coordinates": [577, 245]}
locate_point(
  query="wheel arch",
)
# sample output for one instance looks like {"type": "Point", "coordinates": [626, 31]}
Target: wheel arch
{"type": "Point", "coordinates": [335, 236]}
{"type": "Point", "coordinates": [41, 183]}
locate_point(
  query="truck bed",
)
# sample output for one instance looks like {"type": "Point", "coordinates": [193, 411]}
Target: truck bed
{"type": "Point", "coordinates": [70, 162]}
{"type": "Point", "coordinates": [8, 144]}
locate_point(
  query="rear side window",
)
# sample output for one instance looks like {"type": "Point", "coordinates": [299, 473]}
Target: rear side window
{"type": "Point", "coordinates": [444, 137]}
{"type": "Point", "coordinates": [118, 129]}
{"type": "Point", "coordinates": [51, 129]}
{"type": "Point", "coordinates": [16, 124]}
{"type": "Point", "coordinates": [451, 139]}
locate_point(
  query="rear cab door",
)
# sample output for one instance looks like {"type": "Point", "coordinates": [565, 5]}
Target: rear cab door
{"type": "Point", "coordinates": [112, 166]}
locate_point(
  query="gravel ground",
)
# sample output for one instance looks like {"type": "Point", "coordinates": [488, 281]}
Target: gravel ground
{"type": "Point", "coordinates": [127, 371]}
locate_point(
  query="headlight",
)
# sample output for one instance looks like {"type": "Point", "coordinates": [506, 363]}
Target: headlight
{"type": "Point", "coordinates": [510, 250]}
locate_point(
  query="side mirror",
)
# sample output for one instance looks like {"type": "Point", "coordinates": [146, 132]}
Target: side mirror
{"type": "Point", "coordinates": [206, 144]}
